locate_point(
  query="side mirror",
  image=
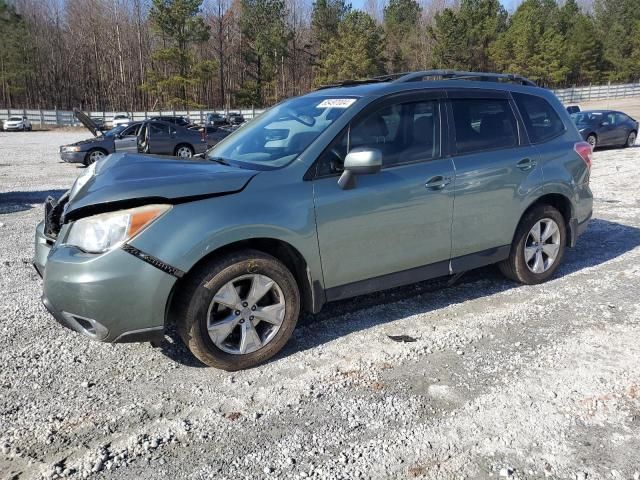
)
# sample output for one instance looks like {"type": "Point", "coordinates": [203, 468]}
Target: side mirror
{"type": "Point", "coordinates": [359, 161]}
{"type": "Point", "coordinates": [604, 124]}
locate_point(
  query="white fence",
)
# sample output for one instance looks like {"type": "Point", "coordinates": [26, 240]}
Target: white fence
{"type": "Point", "coordinates": [66, 117]}
{"type": "Point", "coordinates": [598, 92]}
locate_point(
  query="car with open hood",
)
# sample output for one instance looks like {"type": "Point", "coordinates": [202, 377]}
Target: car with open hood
{"type": "Point", "coordinates": [350, 189]}
{"type": "Point", "coordinates": [122, 138]}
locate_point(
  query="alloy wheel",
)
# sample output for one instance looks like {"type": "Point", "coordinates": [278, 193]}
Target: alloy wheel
{"type": "Point", "coordinates": [631, 141]}
{"type": "Point", "coordinates": [95, 156]}
{"type": "Point", "coordinates": [542, 245]}
{"type": "Point", "coordinates": [246, 314]}
{"type": "Point", "coordinates": [184, 152]}
{"type": "Point", "coordinates": [591, 139]}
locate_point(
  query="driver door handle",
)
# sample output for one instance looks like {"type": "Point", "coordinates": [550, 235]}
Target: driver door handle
{"type": "Point", "coordinates": [526, 164]}
{"type": "Point", "coordinates": [437, 183]}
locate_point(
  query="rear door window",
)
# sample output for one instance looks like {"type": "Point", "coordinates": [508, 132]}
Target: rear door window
{"type": "Point", "coordinates": [540, 118]}
{"type": "Point", "coordinates": [483, 124]}
{"type": "Point", "coordinates": [159, 128]}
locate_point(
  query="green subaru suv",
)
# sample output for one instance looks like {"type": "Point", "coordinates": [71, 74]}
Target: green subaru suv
{"type": "Point", "coordinates": [351, 189]}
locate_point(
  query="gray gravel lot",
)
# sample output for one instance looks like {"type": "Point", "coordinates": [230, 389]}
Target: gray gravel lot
{"type": "Point", "coordinates": [503, 380]}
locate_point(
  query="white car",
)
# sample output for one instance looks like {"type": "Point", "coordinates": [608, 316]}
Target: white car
{"type": "Point", "coordinates": [14, 124]}
{"type": "Point", "coordinates": [120, 119]}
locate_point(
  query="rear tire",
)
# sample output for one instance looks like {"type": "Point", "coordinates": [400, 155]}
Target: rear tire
{"type": "Point", "coordinates": [592, 140]}
{"type": "Point", "coordinates": [184, 151]}
{"type": "Point", "coordinates": [218, 316]}
{"type": "Point", "coordinates": [534, 258]}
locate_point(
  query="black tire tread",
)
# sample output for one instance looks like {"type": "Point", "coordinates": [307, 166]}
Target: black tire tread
{"type": "Point", "coordinates": [185, 321]}
{"type": "Point", "coordinates": [512, 267]}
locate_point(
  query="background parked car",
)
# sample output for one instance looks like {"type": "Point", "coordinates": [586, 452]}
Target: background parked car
{"type": "Point", "coordinates": [573, 108]}
{"type": "Point", "coordinates": [176, 120]}
{"type": "Point", "coordinates": [213, 133]}
{"type": "Point", "coordinates": [119, 139]}
{"type": "Point", "coordinates": [606, 128]}
{"type": "Point", "coordinates": [165, 138]}
{"type": "Point", "coordinates": [99, 121]}
{"type": "Point", "coordinates": [120, 119]}
{"type": "Point", "coordinates": [216, 119]}
{"type": "Point", "coordinates": [17, 124]}
{"type": "Point", "coordinates": [235, 118]}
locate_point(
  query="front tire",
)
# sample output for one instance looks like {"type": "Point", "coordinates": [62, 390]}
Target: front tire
{"type": "Point", "coordinates": [94, 155]}
{"type": "Point", "coordinates": [592, 140]}
{"type": "Point", "coordinates": [538, 246]}
{"type": "Point", "coordinates": [238, 311]}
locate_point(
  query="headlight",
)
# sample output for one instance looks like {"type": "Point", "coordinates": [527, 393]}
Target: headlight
{"type": "Point", "coordinates": [71, 149]}
{"type": "Point", "coordinates": [106, 231]}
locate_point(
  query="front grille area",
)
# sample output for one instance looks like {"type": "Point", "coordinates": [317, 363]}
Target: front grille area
{"type": "Point", "coordinates": [53, 214]}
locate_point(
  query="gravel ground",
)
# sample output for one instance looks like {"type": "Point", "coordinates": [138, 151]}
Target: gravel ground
{"type": "Point", "coordinates": [502, 380]}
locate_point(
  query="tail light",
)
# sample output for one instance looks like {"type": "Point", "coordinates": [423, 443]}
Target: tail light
{"type": "Point", "coordinates": [203, 135]}
{"type": "Point", "coordinates": [585, 150]}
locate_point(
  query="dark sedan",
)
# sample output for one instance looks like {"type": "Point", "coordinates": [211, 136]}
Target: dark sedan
{"type": "Point", "coordinates": [606, 128]}
{"type": "Point", "coordinates": [165, 138]}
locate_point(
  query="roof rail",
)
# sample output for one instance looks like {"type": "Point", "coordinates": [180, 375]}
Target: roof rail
{"type": "Point", "coordinates": [457, 75]}
{"type": "Point", "coordinates": [349, 83]}
{"type": "Point", "coordinates": [436, 75]}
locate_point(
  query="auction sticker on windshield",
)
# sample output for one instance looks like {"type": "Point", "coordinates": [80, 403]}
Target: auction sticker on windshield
{"type": "Point", "coordinates": [337, 103]}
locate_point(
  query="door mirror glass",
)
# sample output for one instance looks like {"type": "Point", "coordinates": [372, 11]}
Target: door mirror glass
{"type": "Point", "coordinates": [604, 124]}
{"type": "Point", "coordinates": [359, 161]}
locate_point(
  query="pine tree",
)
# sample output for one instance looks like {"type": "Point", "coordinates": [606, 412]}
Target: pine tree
{"type": "Point", "coordinates": [401, 28]}
{"type": "Point", "coordinates": [464, 37]}
{"type": "Point", "coordinates": [356, 51]}
{"type": "Point", "coordinates": [176, 70]}
{"type": "Point", "coordinates": [265, 38]}
{"type": "Point", "coordinates": [616, 21]}
{"type": "Point", "coordinates": [13, 53]}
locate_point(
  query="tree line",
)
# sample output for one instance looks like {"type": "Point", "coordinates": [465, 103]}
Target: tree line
{"type": "Point", "coordinates": [163, 54]}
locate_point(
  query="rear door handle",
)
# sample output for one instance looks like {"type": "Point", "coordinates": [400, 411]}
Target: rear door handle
{"type": "Point", "coordinates": [437, 183]}
{"type": "Point", "coordinates": [526, 164]}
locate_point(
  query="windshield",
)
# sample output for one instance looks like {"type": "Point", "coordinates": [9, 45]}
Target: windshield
{"type": "Point", "coordinates": [15, 119]}
{"type": "Point", "coordinates": [282, 133]}
{"type": "Point", "coordinates": [118, 117]}
{"type": "Point", "coordinates": [586, 118]}
{"type": "Point", "coordinates": [115, 131]}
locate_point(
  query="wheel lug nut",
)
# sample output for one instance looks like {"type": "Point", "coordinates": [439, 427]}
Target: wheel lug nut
{"type": "Point", "coordinates": [253, 307]}
{"type": "Point", "coordinates": [245, 304]}
{"type": "Point", "coordinates": [242, 320]}
{"type": "Point", "coordinates": [237, 312]}
{"type": "Point", "coordinates": [251, 317]}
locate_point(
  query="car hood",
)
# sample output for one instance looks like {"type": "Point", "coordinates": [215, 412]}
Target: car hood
{"type": "Point", "coordinates": [87, 141]}
{"type": "Point", "coordinates": [86, 121]}
{"type": "Point", "coordinates": [124, 180]}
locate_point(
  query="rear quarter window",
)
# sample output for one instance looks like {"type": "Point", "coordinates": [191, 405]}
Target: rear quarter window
{"type": "Point", "coordinates": [540, 119]}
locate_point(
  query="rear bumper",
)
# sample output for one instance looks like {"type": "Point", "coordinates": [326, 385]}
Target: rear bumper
{"type": "Point", "coordinates": [578, 228]}
{"type": "Point", "coordinates": [114, 297]}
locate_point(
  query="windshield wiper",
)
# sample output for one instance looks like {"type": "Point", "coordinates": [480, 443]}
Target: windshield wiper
{"type": "Point", "coordinates": [219, 160]}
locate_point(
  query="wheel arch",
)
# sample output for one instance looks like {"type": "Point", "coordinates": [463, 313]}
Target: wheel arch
{"type": "Point", "coordinates": [311, 292]}
{"type": "Point", "coordinates": [560, 202]}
